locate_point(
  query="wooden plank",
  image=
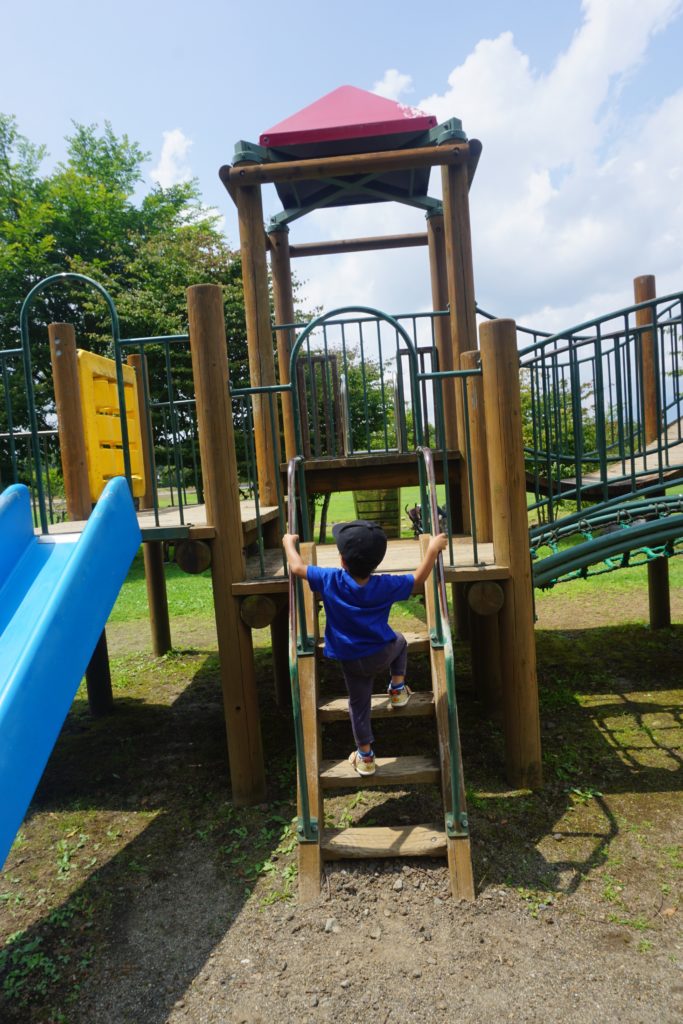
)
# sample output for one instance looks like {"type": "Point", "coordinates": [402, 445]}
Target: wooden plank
{"type": "Point", "coordinates": [310, 856]}
{"type": "Point", "coordinates": [391, 771]}
{"type": "Point", "coordinates": [458, 849]}
{"type": "Point", "coordinates": [418, 643]}
{"type": "Point", "coordinates": [335, 709]}
{"type": "Point", "coordinates": [283, 302]}
{"type": "Point", "coordinates": [368, 471]}
{"type": "Point", "coordinates": [391, 841]}
{"type": "Point", "coordinates": [195, 521]}
{"type": "Point", "coordinates": [336, 166]}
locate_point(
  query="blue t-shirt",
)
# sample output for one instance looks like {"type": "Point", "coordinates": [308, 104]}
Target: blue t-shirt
{"type": "Point", "coordinates": [357, 616]}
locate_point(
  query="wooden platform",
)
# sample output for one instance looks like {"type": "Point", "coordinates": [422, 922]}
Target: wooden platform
{"type": "Point", "coordinates": [401, 556]}
{"type": "Point", "coordinates": [194, 524]}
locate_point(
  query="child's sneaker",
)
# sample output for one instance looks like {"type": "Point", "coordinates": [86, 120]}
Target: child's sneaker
{"type": "Point", "coordinates": [399, 695]}
{"type": "Point", "coordinates": [363, 761]}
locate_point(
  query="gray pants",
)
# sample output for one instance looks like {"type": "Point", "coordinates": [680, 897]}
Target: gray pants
{"type": "Point", "coordinates": [359, 675]}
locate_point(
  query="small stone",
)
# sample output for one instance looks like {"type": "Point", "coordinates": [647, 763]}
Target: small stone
{"type": "Point", "coordinates": [557, 836]}
{"type": "Point", "coordinates": [179, 1004]}
{"type": "Point", "coordinates": [387, 912]}
{"type": "Point", "coordinates": [431, 960]}
{"type": "Point", "coordinates": [329, 924]}
{"type": "Point", "coordinates": [376, 932]}
{"type": "Point", "coordinates": [314, 1001]}
{"type": "Point", "coordinates": [438, 902]}
{"type": "Point", "coordinates": [398, 885]}
{"type": "Point", "coordinates": [417, 973]}
{"type": "Point", "coordinates": [345, 983]}
{"type": "Point", "coordinates": [366, 912]}
{"type": "Point", "coordinates": [442, 1006]}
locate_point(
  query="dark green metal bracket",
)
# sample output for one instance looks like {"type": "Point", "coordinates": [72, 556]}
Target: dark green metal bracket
{"type": "Point", "coordinates": [448, 131]}
{"type": "Point", "coordinates": [251, 153]}
{"type": "Point", "coordinates": [305, 835]}
{"type": "Point", "coordinates": [457, 827]}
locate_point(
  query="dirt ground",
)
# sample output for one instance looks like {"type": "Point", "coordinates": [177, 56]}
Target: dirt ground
{"type": "Point", "coordinates": [137, 894]}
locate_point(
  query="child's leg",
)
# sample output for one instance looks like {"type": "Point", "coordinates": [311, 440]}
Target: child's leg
{"type": "Point", "coordinates": [399, 660]}
{"type": "Point", "coordinates": [359, 687]}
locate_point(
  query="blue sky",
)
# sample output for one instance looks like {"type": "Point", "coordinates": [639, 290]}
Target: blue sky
{"type": "Point", "coordinates": [578, 106]}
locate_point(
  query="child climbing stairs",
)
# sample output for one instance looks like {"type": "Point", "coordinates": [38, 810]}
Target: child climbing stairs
{"type": "Point", "coordinates": [450, 840]}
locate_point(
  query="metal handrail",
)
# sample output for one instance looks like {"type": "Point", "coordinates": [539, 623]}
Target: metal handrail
{"type": "Point", "coordinates": [456, 820]}
{"type": "Point", "coordinates": [307, 828]}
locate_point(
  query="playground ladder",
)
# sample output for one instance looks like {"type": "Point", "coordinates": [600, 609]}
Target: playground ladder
{"type": "Point", "coordinates": [323, 776]}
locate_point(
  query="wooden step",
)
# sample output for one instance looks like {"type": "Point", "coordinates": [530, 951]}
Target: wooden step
{"type": "Point", "coordinates": [393, 841]}
{"type": "Point", "coordinates": [335, 709]}
{"type": "Point", "coordinates": [391, 771]}
{"type": "Point", "coordinates": [418, 642]}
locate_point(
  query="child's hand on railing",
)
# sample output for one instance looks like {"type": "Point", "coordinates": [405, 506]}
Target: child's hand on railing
{"type": "Point", "coordinates": [438, 544]}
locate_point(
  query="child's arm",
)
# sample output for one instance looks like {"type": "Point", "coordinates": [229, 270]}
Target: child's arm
{"type": "Point", "coordinates": [294, 560]}
{"type": "Point", "coordinates": [436, 544]}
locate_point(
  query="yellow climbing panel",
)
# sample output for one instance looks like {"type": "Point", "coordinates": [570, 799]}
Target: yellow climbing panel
{"type": "Point", "coordinates": [102, 422]}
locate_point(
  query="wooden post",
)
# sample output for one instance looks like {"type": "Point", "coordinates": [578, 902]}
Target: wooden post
{"type": "Point", "coordinates": [221, 491]}
{"type": "Point", "coordinates": [460, 275]}
{"type": "Point", "coordinates": [259, 337]}
{"type": "Point", "coordinates": [279, 639]}
{"type": "Point", "coordinates": [64, 359]}
{"type": "Point", "coordinates": [153, 550]}
{"type": "Point", "coordinates": [480, 457]}
{"type": "Point", "coordinates": [486, 600]}
{"type": "Point", "coordinates": [502, 405]}
{"type": "Point", "coordinates": [645, 288]}
{"type": "Point", "coordinates": [310, 854]}
{"type": "Point", "coordinates": [159, 622]}
{"type": "Point", "coordinates": [442, 331]}
{"type": "Point", "coordinates": [136, 360]}
{"type": "Point", "coordinates": [283, 299]}
{"type": "Point", "coordinates": [70, 420]}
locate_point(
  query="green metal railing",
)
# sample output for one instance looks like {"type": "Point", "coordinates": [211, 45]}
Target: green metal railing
{"type": "Point", "coordinates": [584, 397]}
{"type": "Point", "coordinates": [456, 818]}
{"type": "Point", "coordinates": [300, 645]}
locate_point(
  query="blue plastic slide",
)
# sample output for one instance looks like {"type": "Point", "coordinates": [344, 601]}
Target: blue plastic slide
{"type": "Point", "coordinates": [56, 593]}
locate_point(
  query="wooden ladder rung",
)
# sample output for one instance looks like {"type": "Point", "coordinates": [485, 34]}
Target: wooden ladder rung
{"type": "Point", "coordinates": [391, 771]}
{"type": "Point", "coordinates": [335, 709]}
{"type": "Point", "coordinates": [388, 841]}
{"type": "Point", "coordinates": [418, 643]}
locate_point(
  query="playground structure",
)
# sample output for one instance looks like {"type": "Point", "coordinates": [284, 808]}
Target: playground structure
{"type": "Point", "coordinates": [596, 410]}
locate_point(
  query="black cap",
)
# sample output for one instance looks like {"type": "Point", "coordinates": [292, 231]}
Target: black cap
{"type": "Point", "coordinates": [361, 544]}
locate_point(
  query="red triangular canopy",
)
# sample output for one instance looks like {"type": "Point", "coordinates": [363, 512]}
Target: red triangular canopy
{"type": "Point", "coordinates": [347, 113]}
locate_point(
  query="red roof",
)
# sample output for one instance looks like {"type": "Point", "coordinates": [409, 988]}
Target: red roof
{"type": "Point", "coordinates": [347, 113]}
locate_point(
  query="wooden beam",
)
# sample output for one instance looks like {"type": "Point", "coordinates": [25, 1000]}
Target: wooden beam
{"type": "Point", "coordinates": [137, 361]}
{"type": "Point", "coordinates": [442, 331]}
{"type": "Point", "coordinates": [259, 338]}
{"type": "Point", "coordinates": [343, 245]}
{"type": "Point", "coordinates": [221, 491]}
{"type": "Point", "coordinates": [283, 299]}
{"type": "Point", "coordinates": [339, 166]}
{"type": "Point", "coordinates": [502, 404]}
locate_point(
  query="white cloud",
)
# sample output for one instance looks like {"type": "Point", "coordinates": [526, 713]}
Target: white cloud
{"type": "Point", "coordinates": [173, 166]}
{"type": "Point", "coordinates": [574, 195]}
{"type": "Point", "coordinates": [393, 84]}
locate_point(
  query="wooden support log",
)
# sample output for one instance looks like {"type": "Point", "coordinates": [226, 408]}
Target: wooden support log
{"type": "Point", "coordinates": [221, 491]}
{"type": "Point", "coordinates": [502, 404]}
{"type": "Point", "coordinates": [193, 556]}
{"type": "Point", "coordinates": [442, 332]}
{"type": "Point", "coordinates": [645, 288]}
{"type": "Point", "coordinates": [258, 611]}
{"type": "Point", "coordinates": [62, 338]}
{"type": "Point", "coordinates": [485, 598]}
{"type": "Point", "coordinates": [283, 300]}
{"type": "Point", "coordinates": [259, 338]}
{"type": "Point", "coordinates": [338, 166]}
{"type": "Point", "coordinates": [486, 664]}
